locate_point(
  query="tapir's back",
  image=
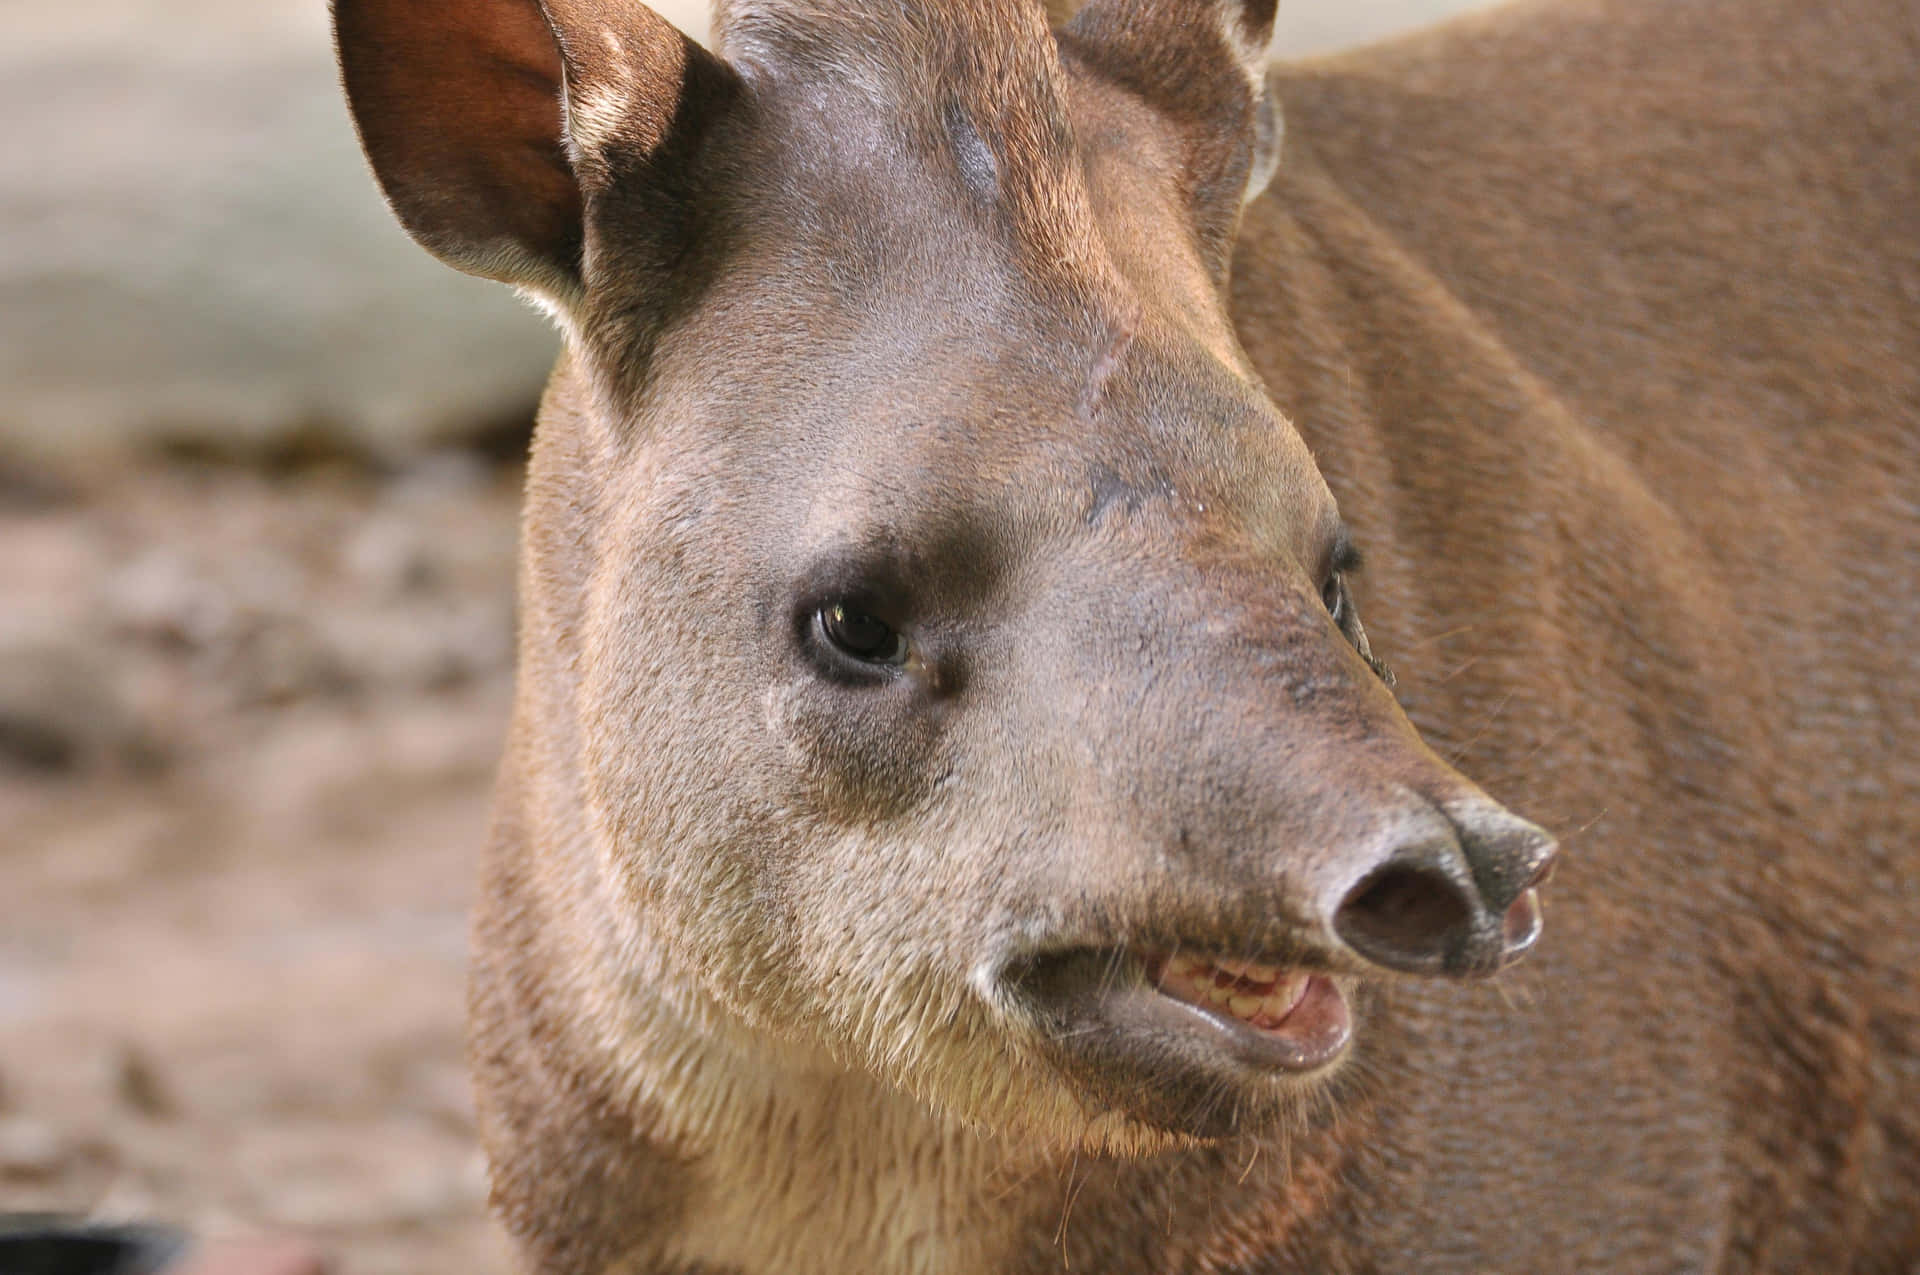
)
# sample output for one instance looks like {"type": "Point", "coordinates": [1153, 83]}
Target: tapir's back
{"type": "Point", "coordinates": [1644, 279]}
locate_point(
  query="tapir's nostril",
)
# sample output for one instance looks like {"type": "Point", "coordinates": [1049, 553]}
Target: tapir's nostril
{"type": "Point", "coordinates": [1408, 917]}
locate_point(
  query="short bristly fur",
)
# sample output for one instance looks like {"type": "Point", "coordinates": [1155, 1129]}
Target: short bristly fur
{"type": "Point", "coordinates": [1048, 339]}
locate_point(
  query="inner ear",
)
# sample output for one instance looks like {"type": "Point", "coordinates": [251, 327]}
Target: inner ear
{"type": "Point", "coordinates": [458, 107]}
{"type": "Point", "coordinates": [493, 125]}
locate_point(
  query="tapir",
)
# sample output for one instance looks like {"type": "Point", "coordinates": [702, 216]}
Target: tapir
{"type": "Point", "coordinates": [956, 818]}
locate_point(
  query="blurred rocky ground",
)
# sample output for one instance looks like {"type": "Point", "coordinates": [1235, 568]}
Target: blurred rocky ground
{"type": "Point", "coordinates": [247, 729]}
{"type": "Point", "coordinates": [256, 557]}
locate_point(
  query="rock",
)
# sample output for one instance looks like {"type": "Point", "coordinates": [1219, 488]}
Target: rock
{"type": "Point", "coordinates": [65, 706]}
{"type": "Point", "coordinates": [165, 598]}
{"type": "Point", "coordinates": [1310, 27]}
{"type": "Point", "coordinates": [264, 1257]}
{"type": "Point", "coordinates": [420, 648]}
{"type": "Point", "coordinates": [31, 1151]}
{"type": "Point", "coordinates": [280, 660]}
{"type": "Point", "coordinates": [138, 1085]}
{"type": "Point", "coordinates": [392, 557]}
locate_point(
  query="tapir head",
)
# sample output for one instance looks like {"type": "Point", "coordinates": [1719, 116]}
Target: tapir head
{"type": "Point", "coordinates": [948, 649]}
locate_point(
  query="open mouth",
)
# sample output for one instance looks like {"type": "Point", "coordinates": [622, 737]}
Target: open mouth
{"type": "Point", "coordinates": [1187, 1040]}
{"type": "Point", "coordinates": [1266, 1015]}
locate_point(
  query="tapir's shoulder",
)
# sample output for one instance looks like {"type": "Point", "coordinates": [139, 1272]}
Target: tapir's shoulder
{"type": "Point", "coordinates": [1692, 224]}
{"type": "Point", "coordinates": [1589, 114]}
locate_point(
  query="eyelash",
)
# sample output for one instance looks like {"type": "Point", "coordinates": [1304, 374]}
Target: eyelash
{"type": "Point", "coordinates": [1335, 597]}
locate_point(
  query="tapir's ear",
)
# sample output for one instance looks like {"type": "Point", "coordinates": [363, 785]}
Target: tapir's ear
{"type": "Point", "coordinates": [491, 123]}
{"type": "Point", "coordinates": [1203, 65]}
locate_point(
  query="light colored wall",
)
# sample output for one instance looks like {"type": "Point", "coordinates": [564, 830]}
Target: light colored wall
{"type": "Point", "coordinates": [1305, 26]}
{"type": "Point", "coordinates": [1321, 26]}
{"type": "Point", "coordinates": [190, 244]}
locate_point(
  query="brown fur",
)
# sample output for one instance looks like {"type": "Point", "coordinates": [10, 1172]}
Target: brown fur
{"type": "Point", "coordinates": [1602, 322]}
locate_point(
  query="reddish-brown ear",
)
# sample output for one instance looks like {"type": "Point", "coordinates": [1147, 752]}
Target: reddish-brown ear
{"type": "Point", "coordinates": [459, 109]}
{"type": "Point", "coordinates": [491, 123]}
{"type": "Point", "coordinates": [1203, 65]}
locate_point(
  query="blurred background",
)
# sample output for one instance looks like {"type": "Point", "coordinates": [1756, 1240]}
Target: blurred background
{"type": "Point", "coordinates": [258, 485]}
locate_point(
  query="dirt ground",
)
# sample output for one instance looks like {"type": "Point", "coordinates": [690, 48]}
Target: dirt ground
{"type": "Point", "coordinates": [247, 731]}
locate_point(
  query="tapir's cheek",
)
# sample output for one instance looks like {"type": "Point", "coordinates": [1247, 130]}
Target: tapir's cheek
{"type": "Point", "coordinates": [855, 754]}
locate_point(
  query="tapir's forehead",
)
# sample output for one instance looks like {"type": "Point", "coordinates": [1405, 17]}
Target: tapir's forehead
{"type": "Point", "coordinates": [935, 307]}
{"type": "Point", "coordinates": [978, 85]}
{"type": "Point", "coordinates": [907, 163]}
{"type": "Point", "coordinates": [963, 401]}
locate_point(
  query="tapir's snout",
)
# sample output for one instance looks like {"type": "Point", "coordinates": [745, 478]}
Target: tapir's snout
{"type": "Point", "coordinates": [1448, 894]}
{"type": "Point", "coordinates": [1322, 812]}
{"type": "Point", "coordinates": [1288, 842]}
{"type": "Point", "coordinates": [1254, 979]}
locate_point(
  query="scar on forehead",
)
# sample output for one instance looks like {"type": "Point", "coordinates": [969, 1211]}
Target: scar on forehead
{"type": "Point", "coordinates": [979, 170]}
{"type": "Point", "coordinates": [1104, 367]}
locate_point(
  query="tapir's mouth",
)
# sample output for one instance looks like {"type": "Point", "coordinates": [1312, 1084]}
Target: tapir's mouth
{"type": "Point", "coordinates": [1289, 1019]}
{"type": "Point", "coordinates": [1185, 1039]}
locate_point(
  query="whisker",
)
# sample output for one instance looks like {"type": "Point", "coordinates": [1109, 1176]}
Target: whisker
{"type": "Point", "coordinates": [1073, 1194]}
{"type": "Point", "coordinates": [1485, 726]}
{"type": "Point", "coordinates": [1604, 811]}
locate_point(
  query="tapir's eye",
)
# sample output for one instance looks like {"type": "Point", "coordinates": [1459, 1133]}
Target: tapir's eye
{"type": "Point", "coordinates": [1336, 597]}
{"type": "Point", "coordinates": [1334, 594]}
{"type": "Point", "coordinates": [855, 633]}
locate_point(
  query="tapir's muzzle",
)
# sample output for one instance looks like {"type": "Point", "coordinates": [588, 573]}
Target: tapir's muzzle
{"type": "Point", "coordinates": [1256, 841]}
{"type": "Point", "coordinates": [1288, 842]}
{"type": "Point", "coordinates": [1192, 1005]}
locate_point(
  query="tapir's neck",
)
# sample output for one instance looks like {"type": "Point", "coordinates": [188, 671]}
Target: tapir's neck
{"type": "Point", "coordinates": [819, 1173]}
{"type": "Point", "coordinates": [643, 1141]}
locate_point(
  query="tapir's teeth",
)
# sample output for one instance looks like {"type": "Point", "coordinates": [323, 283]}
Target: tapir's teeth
{"type": "Point", "coordinates": [1261, 995]}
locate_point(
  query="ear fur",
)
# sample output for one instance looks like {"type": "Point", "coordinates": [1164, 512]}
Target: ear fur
{"type": "Point", "coordinates": [491, 123]}
{"type": "Point", "coordinates": [1203, 65]}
